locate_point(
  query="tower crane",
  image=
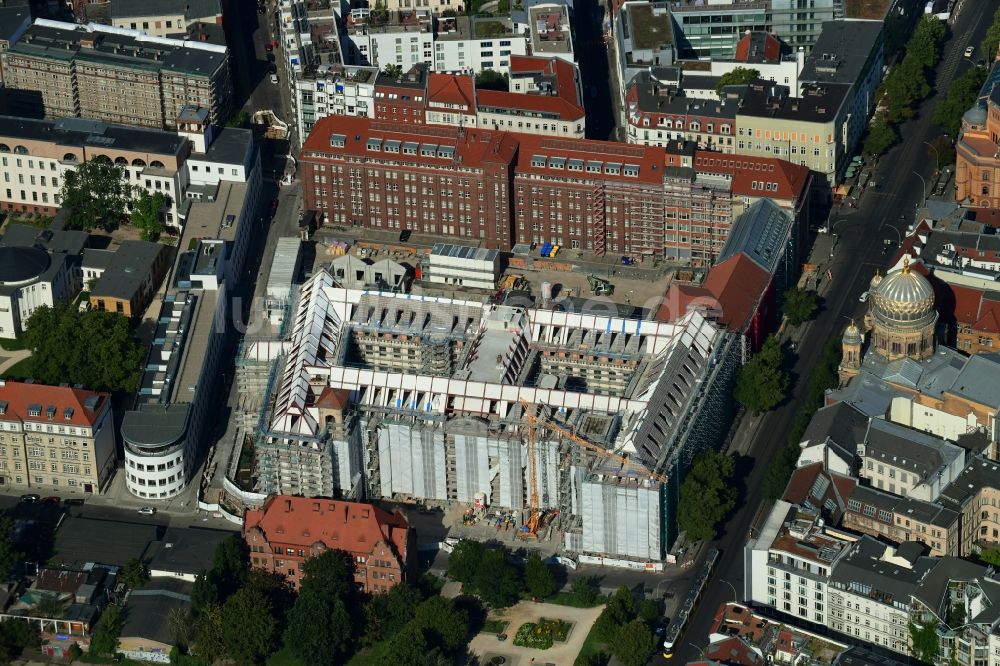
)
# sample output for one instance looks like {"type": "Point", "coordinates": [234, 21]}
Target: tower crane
{"type": "Point", "coordinates": [531, 527]}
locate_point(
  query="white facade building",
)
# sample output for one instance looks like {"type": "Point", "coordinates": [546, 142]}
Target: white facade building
{"type": "Point", "coordinates": [464, 266]}
{"type": "Point", "coordinates": [472, 44]}
{"type": "Point", "coordinates": [335, 91]}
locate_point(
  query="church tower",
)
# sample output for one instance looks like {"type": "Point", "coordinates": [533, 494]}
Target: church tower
{"type": "Point", "coordinates": [850, 362]}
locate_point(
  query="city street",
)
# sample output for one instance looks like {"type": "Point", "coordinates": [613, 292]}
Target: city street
{"type": "Point", "coordinates": [861, 233]}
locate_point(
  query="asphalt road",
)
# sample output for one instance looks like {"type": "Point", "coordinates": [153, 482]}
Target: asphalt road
{"type": "Point", "coordinates": [861, 232]}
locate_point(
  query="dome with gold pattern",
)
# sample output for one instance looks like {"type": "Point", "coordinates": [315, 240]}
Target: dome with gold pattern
{"type": "Point", "coordinates": [904, 298]}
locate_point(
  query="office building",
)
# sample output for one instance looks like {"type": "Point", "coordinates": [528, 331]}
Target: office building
{"type": "Point", "coordinates": [115, 75]}
{"type": "Point", "coordinates": [164, 18]}
{"type": "Point", "coordinates": [124, 280]}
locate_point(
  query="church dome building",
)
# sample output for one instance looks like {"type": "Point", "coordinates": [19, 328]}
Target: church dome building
{"type": "Point", "coordinates": [902, 315]}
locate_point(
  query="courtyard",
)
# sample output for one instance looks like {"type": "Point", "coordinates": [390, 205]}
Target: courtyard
{"type": "Point", "coordinates": [488, 646]}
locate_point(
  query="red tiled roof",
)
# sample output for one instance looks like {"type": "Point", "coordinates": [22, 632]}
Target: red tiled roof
{"type": "Point", "coordinates": [772, 48]}
{"type": "Point", "coordinates": [978, 309]}
{"type": "Point", "coordinates": [649, 159]}
{"type": "Point", "coordinates": [734, 652]}
{"type": "Point", "coordinates": [791, 179]}
{"type": "Point", "coordinates": [452, 89]}
{"type": "Point", "coordinates": [801, 482]}
{"type": "Point", "coordinates": [473, 147]}
{"type": "Point", "coordinates": [68, 403]}
{"type": "Point", "coordinates": [332, 398]}
{"type": "Point", "coordinates": [730, 292]}
{"type": "Point", "coordinates": [565, 102]}
{"type": "Point", "coordinates": [349, 526]}
{"type": "Point", "coordinates": [990, 216]}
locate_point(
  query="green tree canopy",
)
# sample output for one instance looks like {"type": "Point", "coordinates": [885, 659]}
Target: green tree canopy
{"type": "Point", "coordinates": [584, 591]}
{"type": "Point", "coordinates": [924, 642]}
{"type": "Point", "coordinates": [249, 628]}
{"type": "Point", "coordinates": [94, 349]}
{"type": "Point", "coordinates": [492, 80]}
{"type": "Point", "coordinates": [798, 305]}
{"type": "Point", "coordinates": [387, 614]}
{"type": "Point", "coordinates": [463, 562]}
{"type": "Point", "coordinates": [880, 138]}
{"type": "Point", "coordinates": [992, 39]}
{"type": "Point", "coordinates": [761, 383]}
{"type": "Point", "coordinates": [706, 495]}
{"type": "Point", "coordinates": [15, 637]}
{"type": "Point", "coordinates": [134, 574]}
{"type": "Point", "coordinates": [108, 629]}
{"type": "Point", "coordinates": [209, 641]}
{"type": "Point", "coordinates": [538, 578]}
{"type": "Point", "coordinates": [961, 95]}
{"type": "Point", "coordinates": [497, 582]}
{"type": "Point", "coordinates": [319, 628]}
{"type": "Point", "coordinates": [96, 194]}
{"type": "Point", "coordinates": [9, 555]}
{"type": "Point", "coordinates": [619, 611]}
{"type": "Point", "coordinates": [736, 76]}
{"type": "Point", "coordinates": [634, 643]}
{"type": "Point", "coordinates": [442, 625]}
{"type": "Point", "coordinates": [147, 213]}
{"type": "Point", "coordinates": [393, 70]}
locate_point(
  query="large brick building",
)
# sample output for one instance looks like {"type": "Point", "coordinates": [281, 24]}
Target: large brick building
{"type": "Point", "coordinates": [503, 188]}
{"type": "Point", "coordinates": [288, 530]}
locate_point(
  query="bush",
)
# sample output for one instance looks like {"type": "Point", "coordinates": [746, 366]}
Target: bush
{"type": "Point", "coordinates": [541, 635]}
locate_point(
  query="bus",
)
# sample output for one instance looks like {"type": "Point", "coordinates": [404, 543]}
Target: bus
{"type": "Point", "coordinates": [672, 636]}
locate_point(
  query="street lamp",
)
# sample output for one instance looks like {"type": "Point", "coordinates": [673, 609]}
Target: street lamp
{"type": "Point", "coordinates": [924, 182]}
{"type": "Point", "coordinates": [736, 597]}
{"type": "Point", "coordinates": [937, 155]}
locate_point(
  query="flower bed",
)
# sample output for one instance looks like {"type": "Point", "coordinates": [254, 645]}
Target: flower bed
{"type": "Point", "coordinates": [543, 634]}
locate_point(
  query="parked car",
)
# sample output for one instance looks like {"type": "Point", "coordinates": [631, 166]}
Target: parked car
{"type": "Point", "coordinates": [146, 511]}
{"type": "Point", "coordinates": [404, 235]}
{"type": "Point", "coordinates": [969, 50]}
{"type": "Point", "coordinates": [30, 499]}
{"type": "Point", "coordinates": [268, 47]}
{"type": "Point", "coordinates": [51, 500]}
{"type": "Point", "coordinates": [864, 297]}
{"type": "Point", "coordinates": [274, 205]}
{"type": "Point", "coordinates": [73, 501]}
{"type": "Point", "coordinates": [272, 68]}
{"type": "Point", "coordinates": [274, 78]}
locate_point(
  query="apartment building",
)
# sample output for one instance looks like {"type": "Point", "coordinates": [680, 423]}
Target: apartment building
{"type": "Point", "coordinates": [810, 130]}
{"type": "Point", "coordinates": [908, 462]}
{"type": "Point", "coordinates": [545, 97]}
{"type": "Point", "coordinates": [114, 75]}
{"type": "Point", "coordinates": [644, 38]}
{"type": "Point", "coordinates": [55, 438]}
{"type": "Point", "coordinates": [285, 532]}
{"type": "Point", "coordinates": [335, 91]}
{"type": "Point", "coordinates": [789, 563]}
{"type": "Point", "coordinates": [470, 44]}
{"type": "Point", "coordinates": [551, 31]}
{"type": "Point", "coordinates": [404, 39]}
{"type": "Point", "coordinates": [164, 18]}
{"type": "Point", "coordinates": [38, 268]}
{"type": "Point", "coordinates": [977, 320]}
{"type": "Point", "coordinates": [658, 111]}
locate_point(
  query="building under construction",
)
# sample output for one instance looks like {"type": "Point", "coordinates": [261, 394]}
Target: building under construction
{"type": "Point", "coordinates": [588, 418]}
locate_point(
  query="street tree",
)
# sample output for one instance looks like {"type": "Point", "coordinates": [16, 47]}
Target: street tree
{"type": "Point", "coordinates": [584, 591]}
{"type": "Point", "coordinates": [249, 627]}
{"type": "Point", "coordinates": [761, 383]}
{"type": "Point", "coordinates": [496, 581]}
{"type": "Point", "coordinates": [992, 39]}
{"type": "Point", "coordinates": [209, 643]}
{"type": "Point", "coordinates": [619, 611]}
{"type": "Point", "coordinates": [94, 349]}
{"type": "Point", "coordinates": [147, 214]}
{"type": "Point", "coordinates": [96, 194]}
{"type": "Point", "coordinates": [464, 561]}
{"type": "Point", "coordinates": [961, 95]}
{"type": "Point", "coordinates": [736, 76]}
{"type": "Point", "coordinates": [880, 138]}
{"type": "Point", "coordinates": [706, 495]}
{"type": "Point", "coordinates": [538, 578]}
{"type": "Point", "coordinates": [104, 641]}
{"type": "Point", "coordinates": [798, 305]}
{"type": "Point", "coordinates": [634, 643]}
{"type": "Point", "coordinates": [9, 554]}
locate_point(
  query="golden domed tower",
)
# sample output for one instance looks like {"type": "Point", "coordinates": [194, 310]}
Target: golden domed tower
{"type": "Point", "coordinates": [901, 315]}
{"type": "Point", "coordinates": [850, 362]}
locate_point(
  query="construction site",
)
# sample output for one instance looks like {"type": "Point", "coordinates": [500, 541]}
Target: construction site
{"type": "Point", "coordinates": [567, 429]}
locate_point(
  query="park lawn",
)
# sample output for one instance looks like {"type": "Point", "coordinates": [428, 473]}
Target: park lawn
{"type": "Point", "coordinates": [592, 646]}
{"type": "Point", "coordinates": [494, 627]}
{"type": "Point", "coordinates": [11, 344]}
{"type": "Point", "coordinates": [20, 370]}
{"type": "Point", "coordinates": [568, 599]}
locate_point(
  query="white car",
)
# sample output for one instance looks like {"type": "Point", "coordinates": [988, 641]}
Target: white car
{"type": "Point", "coordinates": [274, 78]}
{"type": "Point", "coordinates": [969, 50]}
{"type": "Point", "coordinates": [864, 297]}
{"type": "Point", "coordinates": [146, 511]}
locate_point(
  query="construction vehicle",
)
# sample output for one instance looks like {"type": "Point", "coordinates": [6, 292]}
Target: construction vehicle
{"type": "Point", "coordinates": [600, 286]}
{"type": "Point", "coordinates": [530, 529]}
{"type": "Point", "coordinates": [274, 127]}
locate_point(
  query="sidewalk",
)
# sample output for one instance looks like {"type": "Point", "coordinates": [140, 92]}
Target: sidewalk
{"type": "Point", "coordinates": [8, 359]}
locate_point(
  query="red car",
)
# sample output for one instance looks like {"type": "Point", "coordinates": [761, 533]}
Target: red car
{"type": "Point", "coordinates": [268, 47]}
{"type": "Point", "coordinates": [274, 205]}
{"type": "Point", "coordinates": [51, 500]}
